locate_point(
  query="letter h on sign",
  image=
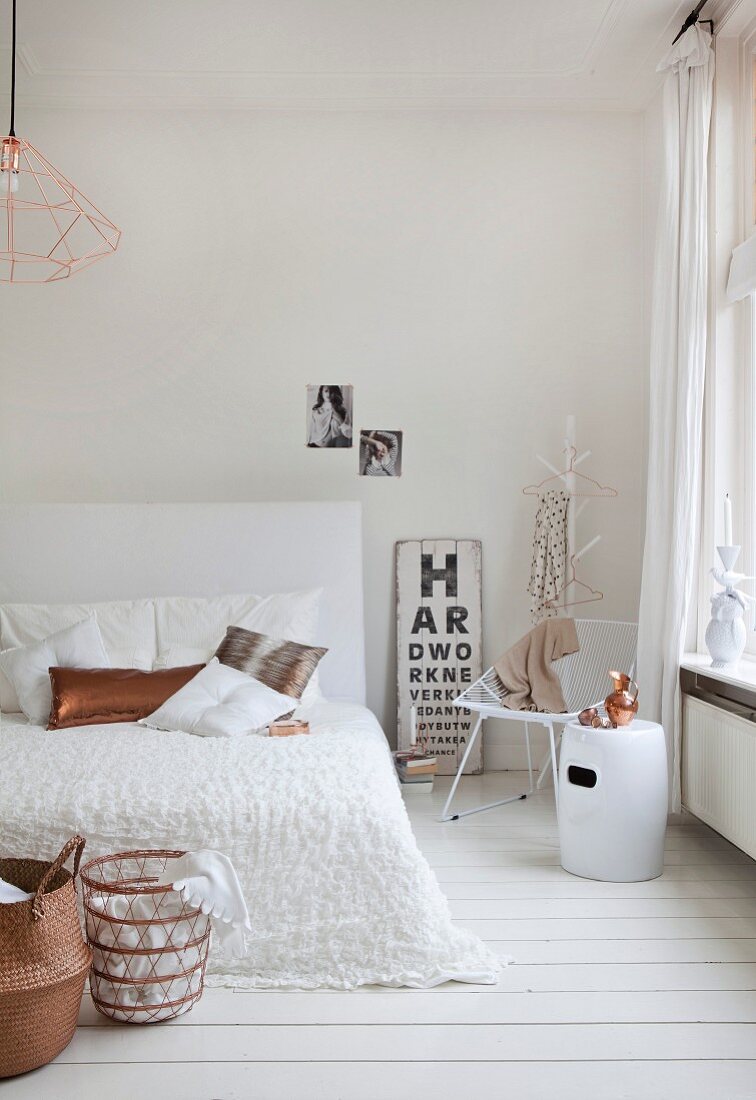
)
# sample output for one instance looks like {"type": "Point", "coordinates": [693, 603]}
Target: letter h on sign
{"type": "Point", "coordinates": [428, 575]}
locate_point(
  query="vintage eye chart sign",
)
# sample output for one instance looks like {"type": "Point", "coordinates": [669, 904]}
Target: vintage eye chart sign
{"type": "Point", "coordinates": [439, 642]}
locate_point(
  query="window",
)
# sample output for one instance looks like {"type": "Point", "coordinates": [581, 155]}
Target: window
{"type": "Point", "coordinates": [747, 562]}
{"type": "Point", "coordinates": [730, 399]}
{"type": "Point", "coordinates": [746, 513]}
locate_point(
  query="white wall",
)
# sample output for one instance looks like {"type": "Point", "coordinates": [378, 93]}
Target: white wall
{"type": "Point", "coordinates": [476, 276]}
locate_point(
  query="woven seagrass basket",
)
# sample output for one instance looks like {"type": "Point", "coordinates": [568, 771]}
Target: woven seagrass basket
{"type": "Point", "coordinates": [44, 962]}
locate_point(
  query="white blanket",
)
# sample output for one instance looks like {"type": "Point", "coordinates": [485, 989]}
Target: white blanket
{"type": "Point", "coordinates": [338, 893]}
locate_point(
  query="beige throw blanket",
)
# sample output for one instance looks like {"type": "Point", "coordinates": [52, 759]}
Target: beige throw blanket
{"type": "Point", "coordinates": [525, 670]}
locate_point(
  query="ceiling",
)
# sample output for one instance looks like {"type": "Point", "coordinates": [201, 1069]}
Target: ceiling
{"type": "Point", "coordinates": [485, 54]}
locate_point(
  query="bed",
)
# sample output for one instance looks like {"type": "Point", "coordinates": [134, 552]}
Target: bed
{"type": "Point", "coordinates": [338, 892]}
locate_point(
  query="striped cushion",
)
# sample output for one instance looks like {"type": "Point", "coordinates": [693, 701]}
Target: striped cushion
{"type": "Point", "coordinates": [282, 665]}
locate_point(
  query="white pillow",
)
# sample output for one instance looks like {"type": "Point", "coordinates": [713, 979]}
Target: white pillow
{"type": "Point", "coordinates": [177, 656]}
{"type": "Point", "coordinates": [190, 629]}
{"type": "Point", "coordinates": [127, 627]}
{"type": "Point", "coordinates": [9, 703]}
{"type": "Point", "coordinates": [201, 623]}
{"type": "Point", "coordinates": [220, 702]}
{"type": "Point", "coordinates": [27, 667]}
{"type": "Point", "coordinates": [130, 657]}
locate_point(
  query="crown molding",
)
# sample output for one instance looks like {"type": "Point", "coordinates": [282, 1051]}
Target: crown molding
{"type": "Point", "coordinates": [36, 69]}
{"type": "Point", "coordinates": [577, 84]}
{"type": "Point", "coordinates": [179, 90]}
{"type": "Point", "coordinates": [325, 91]}
{"type": "Point", "coordinates": [555, 104]}
{"type": "Point", "coordinates": [581, 84]}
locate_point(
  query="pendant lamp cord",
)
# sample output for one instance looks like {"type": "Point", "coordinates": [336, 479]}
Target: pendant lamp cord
{"type": "Point", "coordinates": [12, 128]}
{"type": "Point", "coordinates": [12, 132]}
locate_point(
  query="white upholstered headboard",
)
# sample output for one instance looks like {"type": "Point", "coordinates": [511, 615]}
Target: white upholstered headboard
{"type": "Point", "coordinates": [85, 553]}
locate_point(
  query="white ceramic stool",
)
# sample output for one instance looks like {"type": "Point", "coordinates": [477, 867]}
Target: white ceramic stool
{"type": "Point", "coordinates": [613, 801]}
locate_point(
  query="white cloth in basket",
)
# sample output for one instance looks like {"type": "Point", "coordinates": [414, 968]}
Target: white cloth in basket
{"type": "Point", "coordinates": [116, 976]}
{"type": "Point", "coordinates": [207, 880]}
{"type": "Point", "coordinates": [10, 894]}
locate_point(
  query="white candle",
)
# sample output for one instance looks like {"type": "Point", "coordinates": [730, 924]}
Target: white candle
{"type": "Point", "coordinates": [413, 726]}
{"type": "Point", "coordinates": [727, 520]}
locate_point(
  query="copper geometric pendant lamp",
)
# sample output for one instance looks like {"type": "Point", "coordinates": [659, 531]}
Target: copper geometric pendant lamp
{"type": "Point", "coordinates": [48, 229]}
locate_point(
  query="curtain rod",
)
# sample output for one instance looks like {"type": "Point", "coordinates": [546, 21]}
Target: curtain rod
{"type": "Point", "coordinates": [692, 20]}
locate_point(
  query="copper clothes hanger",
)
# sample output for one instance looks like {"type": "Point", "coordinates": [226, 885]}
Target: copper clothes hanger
{"type": "Point", "coordinates": [582, 485]}
{"type": "Point", "coordinates": [594, 593]}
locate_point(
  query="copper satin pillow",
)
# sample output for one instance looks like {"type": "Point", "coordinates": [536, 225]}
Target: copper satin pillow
{"type": "Point", "coordinates": [96, 696]}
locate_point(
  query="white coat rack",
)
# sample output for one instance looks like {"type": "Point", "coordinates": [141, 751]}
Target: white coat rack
{"type": "Point", "coordinates": [578, 485]}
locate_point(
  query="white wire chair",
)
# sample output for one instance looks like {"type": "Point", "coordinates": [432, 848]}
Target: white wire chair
{"type": "Point", "coordinates": [584, 681]}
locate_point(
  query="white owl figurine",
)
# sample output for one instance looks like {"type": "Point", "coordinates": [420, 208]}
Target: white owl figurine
{"type": "Point", "coordinates": [726, 633]}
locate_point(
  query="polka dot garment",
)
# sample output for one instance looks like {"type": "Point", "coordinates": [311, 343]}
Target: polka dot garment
{"type": "Point", "coordinates": [549, 552]}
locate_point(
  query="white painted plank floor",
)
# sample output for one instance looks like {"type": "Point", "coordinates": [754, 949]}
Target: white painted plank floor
{"type": "Point", "coordinates": [619, 990]}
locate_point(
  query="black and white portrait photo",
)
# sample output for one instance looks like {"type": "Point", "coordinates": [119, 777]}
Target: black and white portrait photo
{"type": "Point", "coordinates": [380, 453]}
{"type": "Point", "coordinates": [329, 416]}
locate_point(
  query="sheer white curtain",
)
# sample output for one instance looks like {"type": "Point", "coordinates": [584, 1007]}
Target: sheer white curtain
{"type": "Point", "coordinates": [678, 359]}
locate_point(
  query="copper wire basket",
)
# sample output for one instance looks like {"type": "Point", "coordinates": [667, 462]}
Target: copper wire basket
{"type": "Point", "coordinates": [149, 948]}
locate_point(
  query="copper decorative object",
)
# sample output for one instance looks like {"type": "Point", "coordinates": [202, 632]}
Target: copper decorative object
{"type": "Point", "coordinates": [288, 727]}
{"type": "Point", "coordinates": [601, 722]}
{"type": "Point", "coordinates": [149, 946]}
{"type": "Point", "coordinates": [48, 228]}
{"type": "Point", "coordinates": [621, 704]}
{"type": "Point", "coordinates": [585, 718]}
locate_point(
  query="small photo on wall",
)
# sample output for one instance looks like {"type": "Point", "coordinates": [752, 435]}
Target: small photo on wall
{"type": "Point", "coordinates": [329, 416]}
{"type": "Point", "coordinates": [380, 453]}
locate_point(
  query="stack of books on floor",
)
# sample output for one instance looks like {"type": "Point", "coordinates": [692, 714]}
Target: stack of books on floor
{"type": "Point", "coordinates": [415, 770]}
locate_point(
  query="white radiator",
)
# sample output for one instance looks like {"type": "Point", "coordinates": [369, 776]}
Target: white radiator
{"type": "Point", "coordinates": [719, 771]}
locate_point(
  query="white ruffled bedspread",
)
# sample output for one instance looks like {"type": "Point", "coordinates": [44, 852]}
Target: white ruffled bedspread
{"type": "Point", "coordinates": [338, 892]}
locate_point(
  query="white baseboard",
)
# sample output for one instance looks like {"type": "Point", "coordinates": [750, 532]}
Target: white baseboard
{"type": "Point", "coordinates": [505, 753]}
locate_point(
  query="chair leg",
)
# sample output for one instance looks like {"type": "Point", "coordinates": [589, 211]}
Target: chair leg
{"type": "Point", "coordinates": [468, 749]}
{"type": "Point", "coordinates": [545, 765]}
{"type": "Point", "coordinates": [554, 768]}
{"type": "Point", "coordinates": [543, 769]}
{"type": "Point", "coordinates": [446, 816]}
{"type": "Point", "coordinates": [531, 788]}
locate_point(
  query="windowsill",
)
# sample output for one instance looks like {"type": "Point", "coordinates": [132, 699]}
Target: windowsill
{"type": "Point", "coordinates": [742, 674]}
